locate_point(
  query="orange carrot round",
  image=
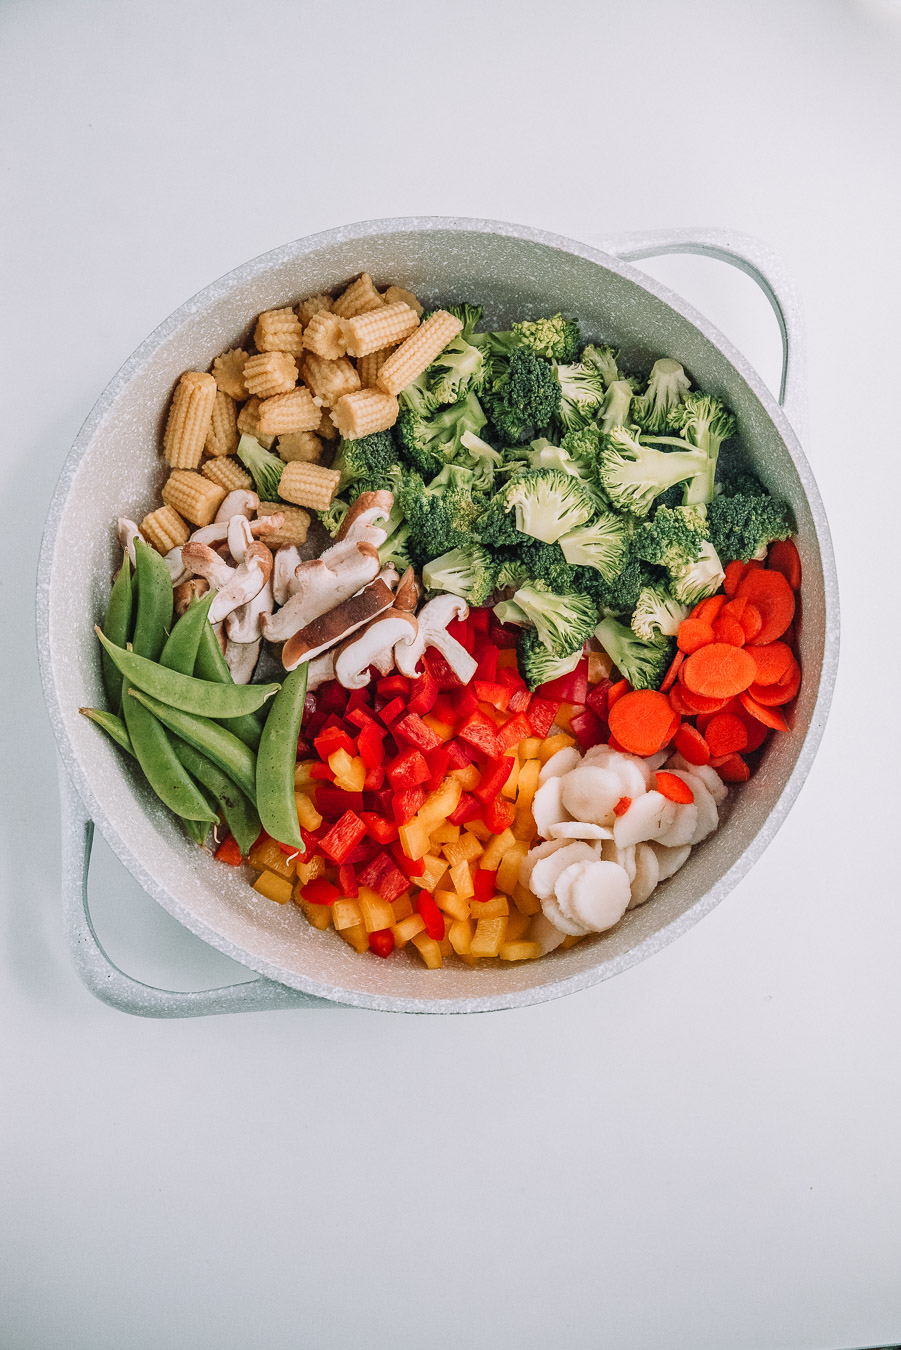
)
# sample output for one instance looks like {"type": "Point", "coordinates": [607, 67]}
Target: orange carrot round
{"type": "Point", "coordinates": [709, 608]}
{"type": "Point", "coordinates": [641, 721]}
{"type": "Point", "coordinates": [725, 734]}
{"type": "Point", "coordinates": [770, 717]}
{"type": "Point", "coordinates": [727, 629]}
{"type": "Point", "coordinates": [677, 701]}
{"type": "Point", "coordinates": [733, 769]}
{"type": "Point", "coordinates": [669, 678]}
{"type": "Point", "coordinates": [720, 670]}
{"type": "Point", "coordinates": [691, 745]}
{"type": "Point", "coordinates": [673, 789]}
{"type": "Point", "coordinates": [783, 557]}
{"type": "Point", "coordinates": [693, 634]}
{"type": "Point", "coordinates": [697, 703]}
{"type": "Point", "coordinates": [736, 607]}
{"type": "Point", "coordinates": [735, 572]}
{"type": "Point", "coordinates": [773, 662]}
{"type": "Point", "coordinates": [773, 596]}
{"type": "Point", "coordinates": [751, 621]}
{"type": "Point", "coordinates": [756, 731]}
{"type": "Point", "coordinates": [775, 695]}
{"type": "Point", "coordinates": [616, 692]}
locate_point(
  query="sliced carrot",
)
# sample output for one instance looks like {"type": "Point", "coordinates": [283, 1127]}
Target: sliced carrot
{"type": "Point", "coordinates": [725, 734]}
{"type": "Point", "coordinates": [718, 671]}
{"type": "Point", "coordinates": [751, 621]}
{"type": "Point", "coordinates": [693, 634]}
{"type": "Point", "coordinates": [669, 678]}
{"type": "Point", "coordinates": [770, 717]}
{"type": "Point", "coordinates": [691, 745]}
{"type": "Point", "coordinates": [622, 806]}
{"type": "Point", "coordinates": [699, 703]}
{"type": "Point", "coordinates": [757, 732]}
{"type": "Point", "coordinates": [641, 721]}
{"type": "Point", "coordinates": [616, 691]}
{"type": "Point", "coordinates": [735, 573]}
{"type": "Point", "coordinates": [783, 557]}
{"type": "Point", "coordinates": [677, 702]}
{"type": "Point", "coordinates": [727, 629]}
{"type": "Point", "coordinates": [735, 607]}
{"type": "Point", "coordinates": [615, 745]}
{"type": "Point", "coordinates": [777, 695]}
{"type": "Point", "coordinates": [773, 661]}
{"type": "Point", "coordinates": [773, 596]}
{"type": "Point", "coordinates": [707, 610]}
{"type": "Point", "coordinates": [673, 789]}
{"type": "Point", "coordinates": [733, 769]}
{"type": "Point", "coordinates": [674, 727]}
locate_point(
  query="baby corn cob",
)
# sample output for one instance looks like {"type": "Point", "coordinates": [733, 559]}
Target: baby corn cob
{"type": "Point", "coordinates": [418, 351]}
{"type": "Point", "coordinates": [249, 422]}
{"type": "Point", "coordinates": [363, 412]}
{"type": "Point", "coordinates": [324, 335]}
{"type": "Point", "coordinates": [193, 496]}
{"type": "Point", "coordinates": [227, 473]}
{"type": "Point", "coordinates": [228, 372]}
{"type": "Point", "coordinates": [314, 304]}
{"type": "Point", "coordinates": [270, 373]}
{"type": "Point", "coordinates": [294, 529]}
{"type": "Point", "coordinates": [395, 293]}
{"type": "Point", "coordinates": [329, 380]}
{"type": "Point", "coordinates": [385, 327]}
{"type": "Point", "coordinates": [294, 411]}
{"type": "Point", "coordinates": [303, 445]}
{"type": "Point", "coordinates": [360, 296]}
{"type": "Point", "coordinates": [165, 529]}
{"type": "Point", "coordinates": [279, 330]}
{"type": "Point", "coordinates": [368, 367]}
{"type": "Point", "coordinates": [189, 419]}
{"type": "Point", "coordinates": [327, 429]}
{"type": "Point", "coordinates": [222, 438]}
{"type": "Point", "coordinates": [309, 485]}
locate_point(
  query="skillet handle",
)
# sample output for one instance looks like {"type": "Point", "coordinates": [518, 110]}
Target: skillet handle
{"type": "Point", "coordinates": [763, 265]}
{"type": "Point", "coordinates": [106, 981]}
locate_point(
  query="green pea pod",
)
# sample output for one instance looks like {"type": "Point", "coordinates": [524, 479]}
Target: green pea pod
{"type": "Point", "coordinates": [154, 609]}
{"type": "Point", "coordinates": [233, 756]}
{"type": "Point", "coordinates": [117, 627]}
{"type": "Point", "coordinates": [180, 651]}
{"type": "Point", "coordinates": [212, 665]}
{"type": "Point", "coordinates": [239, 811]}
{"type": "Point", "coordinates": [184, 691]}
{"type": "Point", "coordinates": [276, 759]}
{"type": "Point", "coordinates": [111, 724]}
{"type": "Point", "coordinates": [199, 830]}
{"type": "Point", "coordinates": [165, 772]}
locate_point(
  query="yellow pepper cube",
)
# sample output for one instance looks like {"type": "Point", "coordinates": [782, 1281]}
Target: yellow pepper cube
{"type": "Point", "coordinates": [274, 887]}
{"type": "Point", "coordinates": [508, 868]}
{"type": "Point", "coordinates": [356, 937]}
{"type": "Point", "coordinates": [414, 838]}
{"type": "Point", "coordinates": [525, 901]}
{"type": "Point", "coordinates": [429, 950]}
{"type": "Point", "coordinates": [303, 778]}
{"type": "Point", "coordinates": [524, 823]}
{"type": "Point", "coordinates": [439, 804]}
{"type": "Point", "coordinates": [320, 916]}
{"type": "Point", "coordinates": [479, 829]}
{"type": "Point", "coordinates": [460, 936]}
{"type": "Point", "coordinates": [509, 788]}
{"type": "Point", "coordinates": [554, 743]}
{"type": "Point", "coordinates": [462, 879]}
{"type": "Point", "coordinates": [349, 771]}
{"type": "Point", "coordinates": [309, 871]}
{"type": "Point", "coordinates": [519, 951]}
{"type": "Point", "coordinates": [307, 815]}
{"type": "Point", "coordinates": [564, 713]}
{"type": "Point", "coordinates": [265, 855]}
{"type": "Point", "coordinates": [488, 937]}
{"type": "Point", "coordinates": [528, 782]}
{"type": "Point", "coordinates": [468, 777]}
{"type": "Point", "coordinates": [346, 913]}
{"type": "Point", "coordinates": [529, 747]}
{"type": "Point", "coordinates": [402, 906]}
{"type": "Point", "coordinates": [495, 850]}
{"type": "Point", "coordinates": [407, 928]}
{"type": "Point", "coordinates": [453, 904]}
{"type": "Point", "coordinates": [377, 913]}
{"type": "Point", "coordinates": [466, 849]}
{"type": "Point", "coordinates": [517, 925]}
{"type": "Point", "coordinates": [433, 870]}
{"type": "Point", "coordinates": [496, 908]}
{"type": "Point", "coordinates": [442, 729]}
{"type": "Point", "coordinates": [570, 941]}
{"type": "Point", "coordinates": [445, 834]}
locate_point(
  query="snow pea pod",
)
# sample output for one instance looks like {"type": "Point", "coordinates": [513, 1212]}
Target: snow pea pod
{"type": "Point", "coordinates": [199, 830]}
{"type": "Point", "coordinates": [276, 759]}
{"type": "Point", "coordinates": [184, 691]}
{"type": "Point", "coordinates": [232, 756]}
{"type": "Point", "coordinates": [154, 607]}
{"type": "Point", "coordinates": [117, 627]}
{"type": "Point", "coordinates": [180, 651]}
{"type": "Point", "coordinates": [165, 772]}
{"type": "Point", "coordinates": [211, 665]}
{"type": "Point", "coordinates": [111, 724]}
{"type": "Point", "coordinates": [239, 811]}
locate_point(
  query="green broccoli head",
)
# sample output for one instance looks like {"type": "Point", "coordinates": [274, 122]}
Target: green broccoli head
{"type": "Point", "coordinates": [469, 316]}
{"type": "Point", "coordinates": [556, 338]}
{"type": "Point", "coordinates": [481, 458]}
{"type": "Point", "coordinates": [371, 458]}
{"type": "Point", "coordinates": [601, 543]}
{"type": "Point", "coordinates": [673, 538]}
{"type": "Point", "coordinates": [523, 398]}
{"type": "Point", "coordinates": [441, 515]}
{"type": "Point", "coordinates": [456, 372]}
{"type": "Point", "coordinates": [264, 467]}
{"type": "Point", "coordinates": [547, 503]}
{"type": "Point", "coordinates": [643, 663]}
{"type": "Point", "coordinates": [604, 360]}
{"type": "Point", "coordinates": [564, 623]}
{"type": "Point", "coordinates": [656, 613]}
{"type": "Point", "coordinates": [429, 442]}
{"type": "Point", "coordinates": [741, 483]}
{"type": "Point", "coordinates": [705, 422]}
{"type": "Point", "coordinates": [394, 550]}
{"type": "Point", "coordinates": [697, 580]}
{"type": "Point", "coordinates": [333, 518]}
{"type": "Point", "coordinates": [634, 474]}
{"type": "Point", "coordinates": [617, 405]}
{"type": "Point", "coordinates": [657, 408]}
{"type": "Point", "coordinates": [741, 527]}
{"type": "Point", "coordinates": [469, 571]}
{"type": "Point", "coordinates": [537, 665]}
{"type": "Point", "coordinates": [582, 394]}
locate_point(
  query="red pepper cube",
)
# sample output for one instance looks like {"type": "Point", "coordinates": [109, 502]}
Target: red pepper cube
{"type": "Point", "coordinates": [313, 724]}
{"type": "Point", "coordinates": [333, 720]}
{"type": "Point", "coordinates": [484, 884]}
{"type": "Point", "coordinates": [541, 714]}
{"type": "Point", "coordinates": [347, 879]}
{"type": "Point", "coordinates": [331, 697]}
{"type": "Point", "coordinates": [393, 686]}
{"type": "Point", "coordinates": [375, 778]}
{"type": "Point", "coordinates": [597, 697]}
{"type": "Point", "coordinates": [458, 754]}
{"type": "Point", "coordinates": [310, 843]}
{"type": "Point", "coordinates": [391, 711]}
{"type": "Point", "coordinates": [381, 830]}
{"type": "Point", "coordinates": [383, 876]}
{"type": "Point", "coordinates": [571, 688]}
{"type": "Point", "coordinates": [332, 802]}
{"type": "Point", "coordinates": [364, 852]}
{"type": "Point", "coordinates": [439, 669]}
{"type": "Point", "coordinates": [438, 761]}
{"type": "Point", "coordinates": [480, 620]}
{"type": "Point", "coordinates": [379, 801]}
{"type": "Point", "coordinates": [407, 770]}
{"type": "Point", "coordinates": [460, 630]}
{"type": "Point", "coordinates": [514, 731]}
{"type": "Point", "coordinates": [304, 748]}
{"type": "Point", "coordinates": [411, 867]}
{"type": "Point", "coordinates": [466, 809]}
{"type": "Point", "coordinates": [588, 729]}
{"type": "Point", "coordinates": [498, 815]}
{"type": "Point", "coordinates": [405, 804]}
{"type": "Point", "coordinates": [228, 852]}
{"type": "Point", "coordinates": [322, 773]}
{"type": "Point", "coordinates": [493, 779]}
{"type": "Point", "coordinates": [414, 730]}
{"type": "Point", "coordinates": [493, 692]}
{"type": "Point", "coordinates": [320, 892]}
{"type": "Point", "coordinates": [447, 709]}
{"type": "Point", "coordinates": [332, 739]}
{"type": "Point", "coordinates": [423, 695]}
{"type": "Point", "coordinates": [431, 915]}
{"type": "Point", "coordinates": [505, 635]}
{"type": "Point", "coordinates": [343, 837]}
{"type": "Point", "coordinates": [381, 942]}
{"type": "Point", "coordinates": [519, 700]}
{"type": "Point", "coordinates": [361, 717]}
{"type": "Point", "coordinates": [357, 698]}
{"type": "Point", "coordinates": [486, 663]}
{"type": "Point", "coordinates": [371, 744]}
{"type": "Point", "coordinates": [480, 732]}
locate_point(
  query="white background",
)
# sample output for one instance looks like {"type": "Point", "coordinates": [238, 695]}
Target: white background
{"type": "Point", "coordinates": [701, 1153]}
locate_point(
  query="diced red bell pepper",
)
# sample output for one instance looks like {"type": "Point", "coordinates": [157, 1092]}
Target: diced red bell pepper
{"type": "Point", "coordinates": [571, 688]}
{"type": "Point", "coordinates": [361, 717]}
{"type": "Point", "coordinates": [393, 686]}
{"type": "Point", "coordinates": [541, 714]}
{"type": "Point", "coordinates": [405, 804]}
{"type": "Point", "coordinates": [448, 710]}
{"type": "Point", "coordinates": [423, 695]}
{"type": "Point", "coordinates": [498, 815]}
{"type": "Point", "coordinates": [588, 729]}
{"type": "Point", "coordinates": [364, 852]}
{"type": "Point", "coordinates": [596, 699]}
{"type": "Point", "coordinates": [391, 711]}
{"type": "Point", "coordinates": [411, 867]}
{"type": "Point", "coordinates": [357, 698]}
{"type": "Point", "coordinates": [505, 635]}
{"type": "Point", "coordinates": [459, 629]}
{"type": "Point", "coordinates": [383, 876]}
{"type": "Point", "coordinates": [467, 808]}
{"type": "Point", "coordinates": [458, 754]}
{"type": "Point", "coordinates": [379, 801]}
{"type": "Point", "coordinates": [486, 663]}
{"type": "Point", "coordinates": [480, 732]}
{"type": "Point", "coordinates": [289, 850]}
{"type": "Point", "coordinates": [304, 748]}
{"type": "Point", "coordinates": [332, 801]}
{"type": "Point", "coordinates": [439, 669]}
{"type": "Point", "coordinates": [332, 739]}
{"type": "Point", "coordinates": [374, 779]}
{"type": "Point", "coordinates": [320, 892]}
{"type": "Point", "coordinates": [491, 691]}
{"type": "Point", "coordinates": [431, 915]}
{"type": "Point", "coordinates": [228, 852]}
{"type": "Point", "coordinates": [514, 731]}
{"type": "Point", "coordinates": [520, 700]}
{"type": "Point", "coordinates": [333, 720]}
{"type": "Point", "coordinates": [414, 730]}
{"type": "Point", "coordinates": [493, 779]}
{"type": "Point", "coordinates": [322, 772]}
{"type": "Point", "coordinates": [407, 770]}
{"type": "Point", "coordinates": [438, 761]}
{"type": "Point", "coordinates": [310, 843]}
{"type": "Point", "coordinates": [484, 884]}
{"type": "Point", "coordinates": [347, 878]}
{"type": "Point", "coordinates": [381, 830]}
{"type": "Point", "coordinates": [332, 697]}
{"type": "Point", "coordinates": [480, 619]}
{"type": "Point", "coordinates": [313, 724]}
{"type": "Point", "coordinates": [371, 744]}
{"type": "Point", "coordinates": [381, 942]}
{"type": "Point", "coordinates": [343, 837]}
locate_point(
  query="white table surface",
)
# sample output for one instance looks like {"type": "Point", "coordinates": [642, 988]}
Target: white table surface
{"type": "Point", "coordinates": [701, 1153]}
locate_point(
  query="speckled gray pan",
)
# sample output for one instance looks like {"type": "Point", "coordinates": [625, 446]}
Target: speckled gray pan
{"type": "Point", "coordinates": [114, 469]}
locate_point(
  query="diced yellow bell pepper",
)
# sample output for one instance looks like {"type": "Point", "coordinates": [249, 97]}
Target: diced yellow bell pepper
{"type": "Point", "coordinates": [517, 925]}
{"type": "Point", "coordinates": [525, 901]}
{"type": "Point", "coordinates": [570, 941]}
{"type": "Point", "coordinates": [524, 823]}
{"type": "Point", "coordinates": [408, 928]}
{"type": "Point", "coordinates": [346, 914]}
{"type": "Point", "coordinates": [266, 856]}
{"type": "Point", "coordinates": [445, 834]}
{"type": "Point", "coordinates": [564, 713]}
{"type": "Point", "coordinates": [433, 869]}
{"type": "Point", "coordinates": [509, 788]}
{"type": "Point", "coordinates": [468, 777]}
{"type": "Point", "coordinates": [460, 935]}
{"type": "Point", "coordinates": [495, 849]}
{"type": "Point", "coordinates": [414, 838]}
{"type": "Point", "coordinates": [402, 906]}
{"type": "Point", "coordinates": [307, 814]}
{"type": "Point", "coordinates": [303, 778]}
{"type": "Point", "coordinates": [439, 804]}
{"type": "Point", "coordinates": [519, 951]}
{"type": "Point", "coordinates": [320, 916]}
{"type": "Point", "coordinates": [309, 871]}
{"type": "Point", "coordinates": [509, 865]}
{"type": "Point", "coordinates": [274, 888]}
{"type": "Point", "coordinates": [553, 744]}
{"type": "Point", "coordinates": [462, 879]}
{"type": "Point", "coordinates": [356, 937]}
{"type": "Point", "coordinates": [488, 937]}
{"type": "Point", "coordinates": [442, 729]}
{"type": "Point", "coordinates": [528, 782]}
{"type": "Point", "coordinates": [495, 908]}
{"type": "Point", "coordinates": [377, 913]}
{"type": "Point", "coordinates": [466, 849]}
{"type": "Point", "coordinates": [530, 747]}
{"type": "Point", "coordinates": [479, 829]}
{"type": "Point", "coordinates": [349, 771]}
{"type": "Point", "coordinates": [429, 950]}
{"type": "Point", "coordinates": [453, 904]}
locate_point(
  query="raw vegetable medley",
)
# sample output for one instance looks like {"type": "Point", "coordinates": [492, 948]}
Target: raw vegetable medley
{"type": "Point", "coordinates": [544, 636]}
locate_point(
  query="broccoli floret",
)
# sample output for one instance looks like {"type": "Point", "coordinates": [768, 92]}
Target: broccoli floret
{"type": "Point", "coordinates": [429, 441]}
{"type": "Point", "coordinates": [332, 518]}
{"type": "Point", "coordinates": [654, 410]}
{"type": "Point", "coordinates": [481, 458]}
{"type": "Point", "coordinates": [469, 316]}
{"type": "Point", "coordinates": [634, 474]}
{"type": "Point", "coordinates": [583, 444]}
{"type": "Point", "coordinates": [371, 458]}
{"type": "Point", "coordinates": [604, 360]}
{"type": "Point", "coordinates": [601, 543]}
{"type": "Point", "coordinates": [643, 663]}
{"type": "Point", "coordinates": [742, 484]}
{"type": "Point", "coordinates": [674, 538]}
{"type": "Point", "coordinates": [537, 665]}
{"type": "Point", "coordinates": [459, 370]}
{"type": "Point", "coordinates": [546, 564]}
{"type": "Point", "coordinates": [657, 612]}
{"type": "Point", "coordinates": [469, 571]}
{"type": "Point", "coordinates": [705, 422]}
{"type": "Point", "coordinates": [741, 528]}
{"type": "Point", "coordinates": [617, 405]}
{"type": "Point", "coordinates": [523, 398]}
{"type": "Point", "coordinates": [495, 527]}
{"type": "Point", "coordinates": [582, 393]}
{"type": "Point", "coordinates": [556, 338]}
{"type": "Point", "coordinates": [441, 515]}
{"type": "Point", "coordinates": [547, 503]}
{"type": "Point", "coordinates": [264, 467]}
{"type": "Point", "coordinates": [563, 622]}
{"type": "Point", "coordinates": [698, 579]}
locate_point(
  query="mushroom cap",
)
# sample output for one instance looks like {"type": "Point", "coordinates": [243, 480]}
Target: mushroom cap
{"type": "Point", "coordinates": [318, 588]}
{"type": "Point", "coordinates": [204, 561]}
{"type": "Point", "coordinates": [375, 641]}
{"type": "Point", "coordinates": [187, 591]}
{"type": "Point", "coordinates": [241, 502]}
{"type": "Point", "coordinates": [406, 594]}
{"type": "Point", "coordinates": [369, 506]}
{"type": "Point", "coordinates": [241, 659]}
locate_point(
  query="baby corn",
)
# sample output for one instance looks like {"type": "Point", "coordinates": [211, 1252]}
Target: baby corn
{"type": "Point", "coordinates": [165, 529]}
{"type": "Point", "coordinates": [249, 422]}
{"type": "Point", "coordinates": [395, 293]}
{"type": "Point", "coordinates": [270, 373]}
{"type": "Point", "coordinates": [189, 419]}
{"type": "Point", "coordinates": [227, 473]}
{"type": "Point", "coordinates": [314, 304]}
{"type": "Point", "coordinates": [279, 330]}
{"type": "Point", "coordinates": [324, 335]}
{"type": "Point", "coordinates": [418, 351]}
{"type": "Point", "coordinates": [193, 496]}
{"type": "Point", "coordinates": [368, 367]}
{"type": "Point", "coordinates": [309, 485]}
{"type": "Point", "coordinates": [294, 529]}
{"type": "Point", "coordinates": [302, 445]}
{"type": "Point", "coordinates": [385, 327]}
{"type": "Point", "coordinates": [294, 411]}
{"type": "Point", "coordinates": [222, 438]}
{"type": "Point", "coordinates": [360, 296]}
{"type": "Point", "coordinates": [228, 372]}
{"type": "Point", "coordinates": [330, 380]}
{"type": "Point", "coordinates": [363, 412]}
